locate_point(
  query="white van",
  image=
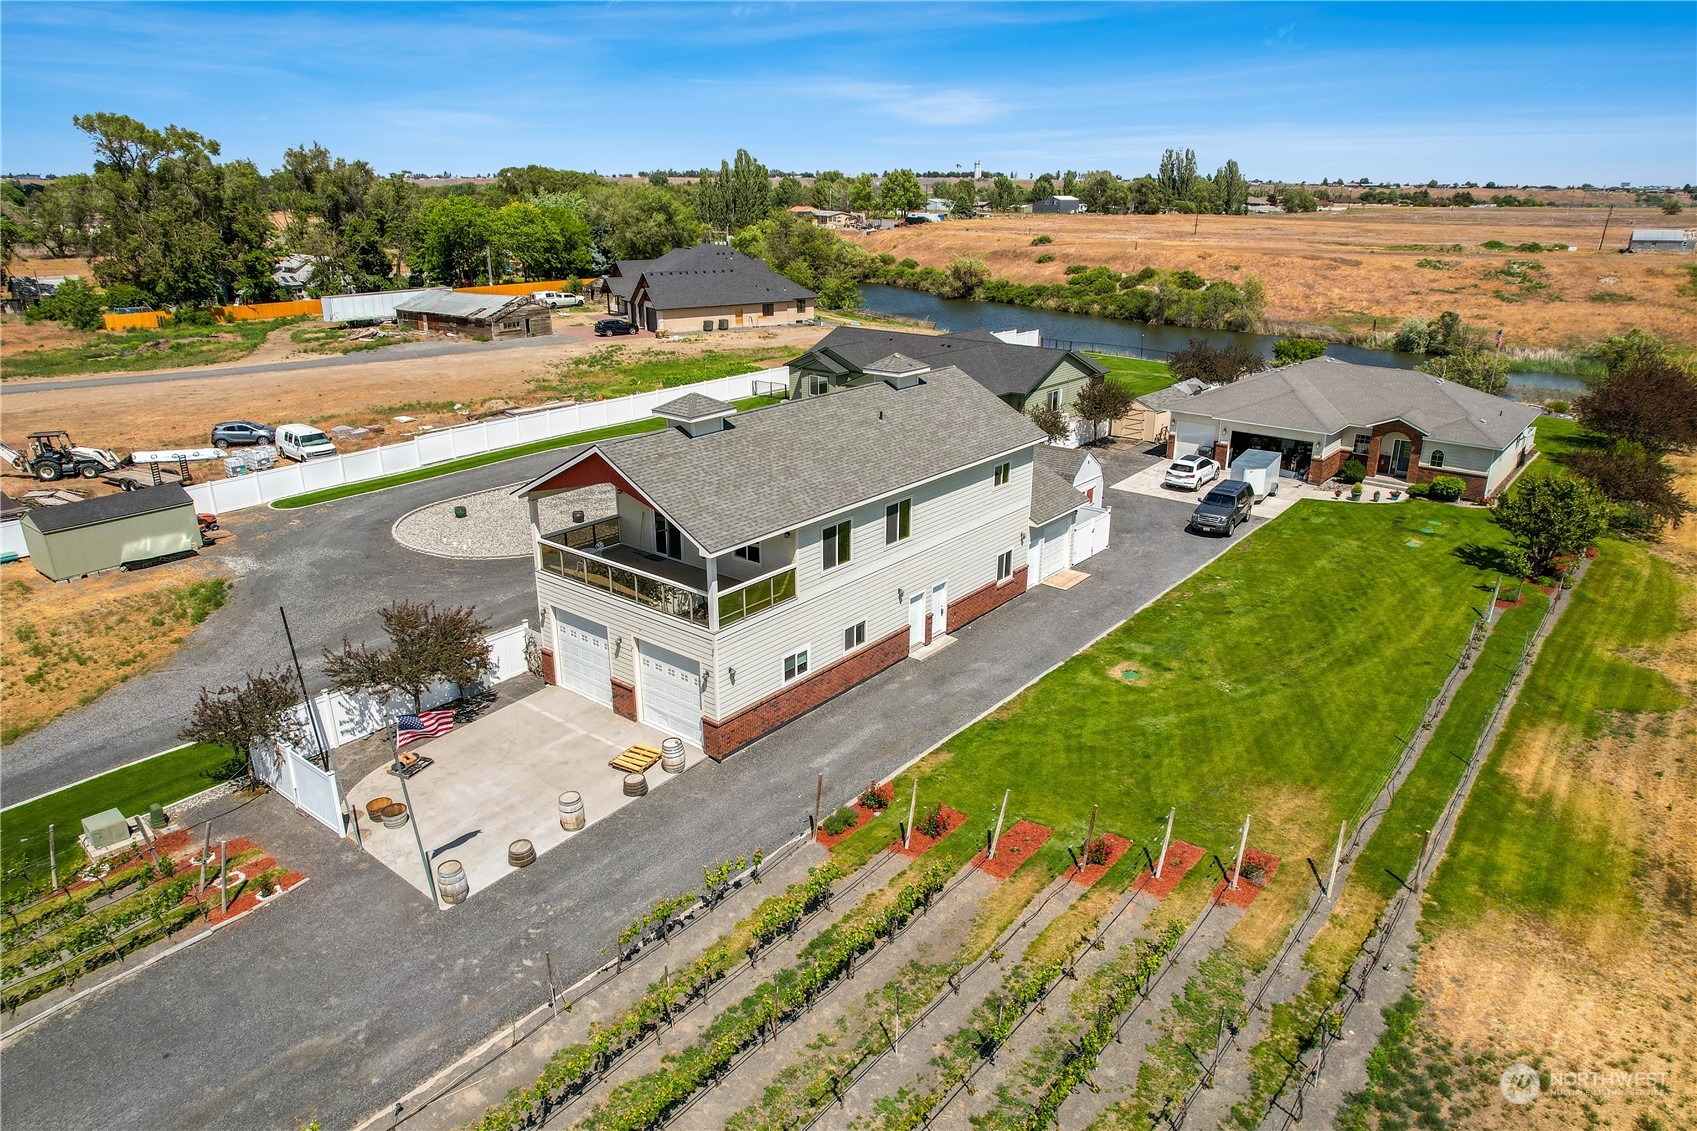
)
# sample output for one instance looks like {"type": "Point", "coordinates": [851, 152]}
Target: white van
{"type": "Point", "coordinates": [557, 299]}
{"type": "Point", "coordinates": [302, 442]}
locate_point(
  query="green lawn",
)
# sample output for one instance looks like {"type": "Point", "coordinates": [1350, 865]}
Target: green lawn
{"type": "Point", "coordinates": [1564, 850]}
{"type": "Point", "coordinates": [466, 463]}
{"type": "Point", "coordinates": [1136, 375]}
{"type": "Point", "coordinates": [120, 351]}
{"type": "Point", "coordinates": [165, 778]}
{"type": "Point", "coordinates": [1558, 438]}
{"type": "Point", "coordinates": [616, 371]}
{"type": "Point", "coordinates": [1280, 681]}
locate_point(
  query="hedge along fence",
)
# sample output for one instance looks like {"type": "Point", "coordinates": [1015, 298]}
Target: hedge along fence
{"type": "Point", "coordinates": [649, 1100]}
{"type": "Point", "coordinates": [574, 1068]}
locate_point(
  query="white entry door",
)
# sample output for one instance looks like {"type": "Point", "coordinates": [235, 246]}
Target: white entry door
{"type": "Point", "coordinates": [581, 662]}
{"type": "Point", "coordinates": [939, 610]}
{"type": "Point", "coordinates": [668, 692]}
{"type": "Point", "coordinates": [916, 620]}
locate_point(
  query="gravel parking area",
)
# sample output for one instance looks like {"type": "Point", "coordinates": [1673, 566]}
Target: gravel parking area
{"type": "Point", "coordinates": [496, 524]}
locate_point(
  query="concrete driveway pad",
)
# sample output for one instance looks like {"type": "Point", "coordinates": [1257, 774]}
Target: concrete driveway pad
{"type": "Point", "coordinates": [499, 778]}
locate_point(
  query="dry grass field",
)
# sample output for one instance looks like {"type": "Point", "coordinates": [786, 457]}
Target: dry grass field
{"type": "Point", "coordinates": [1351, 271]}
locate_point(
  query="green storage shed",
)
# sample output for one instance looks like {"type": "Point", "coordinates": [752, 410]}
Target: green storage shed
{"type": "Point", "coordinates": [130, 528]}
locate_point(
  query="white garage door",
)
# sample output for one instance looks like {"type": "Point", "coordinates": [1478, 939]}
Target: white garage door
{"type": "Point", "coordinates": [669, 692]}
{"type": "Point", "coordinates": [581, 663]}
{"type": "Point", "coordinates": [1054, 549]}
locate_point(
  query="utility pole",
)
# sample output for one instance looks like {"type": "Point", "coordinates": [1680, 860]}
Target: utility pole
{"type": "Point", "coordinates": [319, 737]}
{"type": "Point", "coordinates": [1605, 234]}
{"type": "Point", "coordinates": [489, 263]}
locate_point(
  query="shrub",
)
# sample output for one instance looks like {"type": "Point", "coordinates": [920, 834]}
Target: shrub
{"type": "Point", "coordinates": [194, 318]}
{"type": "Point", "coordinates": [1189, 280]}
{"type": "Point", "coordinates": [1041, 240]}
{"type": "Point", "coordinates": [1288, 351]}
{"type": "Point", "coordinates": [933, 824]}
{"type": "Point", "coordinates": [1144, 276]}
{"type": "Point", "coordinates": [1558, 407]}
{"type": "Point", "coordinates": [1419, 490]}
{"type": "Point", "coordinates": [874, 799]}
{"type": "Point", "coordinates": [1355, 492]}
{"type": "Point", "coordinates": [886, 260]}
{"type": "Point", "coordinates": [1077, 268]}
{"type": "Point", "coordinates": [839, 822]}
{"type": "Point", "coordinates": [1045, 258]}
{"type": "Point", "coordinates": [1352, 471]}
{"type": "Point", "coordinates": [908, 264]}
{"type": "Point", "coordinates": [1447, 489]}
{"type": "Point", "coordinates": [1096, 851]}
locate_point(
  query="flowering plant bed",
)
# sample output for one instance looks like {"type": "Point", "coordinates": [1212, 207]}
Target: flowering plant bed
{"type": "Point", "coordinates": [1015, 847]}
{"type": "Point", "coordinates": [1181, 858]}
{"type": "Point", "coordinates": [919, 842]}
{"type": "Point", "coordinates": [1112, 848]}
{"type": "Point", "coordinates": [863, 812]}
{"type": "Point", "coordinates": [1255, 864]}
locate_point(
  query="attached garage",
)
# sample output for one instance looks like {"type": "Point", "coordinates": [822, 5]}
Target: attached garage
{"type": "Point", "coordinates": [668, 692]}
{"type": "Point", "coordinates": [124, 530]}
{"type": "Point", "coordinates": [581, 660]}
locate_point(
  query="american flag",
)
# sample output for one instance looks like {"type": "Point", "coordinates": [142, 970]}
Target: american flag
{"type": "Point", "coordinates": [425, 724]}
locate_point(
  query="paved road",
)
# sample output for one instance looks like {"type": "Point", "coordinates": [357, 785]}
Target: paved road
{"type": "Point", "coordinates": [401, 351]}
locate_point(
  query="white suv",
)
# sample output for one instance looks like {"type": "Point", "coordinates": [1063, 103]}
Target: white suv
{"type": "Point", "coordinates": [1192, 472]}
{"type": "Point", "coordinates": [558, 298]}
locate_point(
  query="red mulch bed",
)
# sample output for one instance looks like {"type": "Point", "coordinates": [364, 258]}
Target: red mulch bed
{"type": "Point", "coordinates": [1247, 890]}
{"type": "Point", "coordinates": [918, 844]}
{"type": "Point", "coordinates": [1511, 602]}
{"type": "Point", "coordinates": [1090, 873]}
{"type": "Point", "coordinates": [862, 814]}
{"type": "Point", "coordinates": [1182, 856]}
{"type": "Point", "coordinates": [1015, 848]}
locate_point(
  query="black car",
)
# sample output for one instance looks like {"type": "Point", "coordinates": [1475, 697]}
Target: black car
{"type": "Point", "coordinates": [235, 433]}
{"type": "Point", "coordinates": [610, 326]}
{"type": "Point", "coordinates": [1223, 508]}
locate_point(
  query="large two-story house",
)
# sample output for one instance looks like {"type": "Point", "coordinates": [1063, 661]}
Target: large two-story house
{"type": "Point", "coordinates": [758, 563]}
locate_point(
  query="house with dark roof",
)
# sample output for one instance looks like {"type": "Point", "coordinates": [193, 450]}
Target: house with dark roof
{"type": "Point", "coordinates": [1021, 375]}
{"type": "Point", "coordinates": [707, 287]}
{"type": "Point", "coordinates": [1401, 423]}
{"type": "Point", "coordinates": [488, 317]}
{"type": "Point", "coordinates": [756, 564]}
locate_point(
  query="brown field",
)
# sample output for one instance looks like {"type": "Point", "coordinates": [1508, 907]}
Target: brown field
{"type": "Point", "coordinates": [1356, 271]}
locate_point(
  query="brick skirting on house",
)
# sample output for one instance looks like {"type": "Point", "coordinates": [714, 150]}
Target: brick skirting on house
{"type": "Point", "coordinates": [723, 738]}
{"type": "Point", "coordinates": [1475, 491]}
{"type": "Point", "coordinates": [981, 600]}
{"type": "Point", "coordinates": [624, 700]}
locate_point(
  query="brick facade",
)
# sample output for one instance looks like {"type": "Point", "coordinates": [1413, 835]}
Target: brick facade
{"type": "Point", "coordinates": [723, 738]}
{"type": "Point", "coordinates": [1222, 453]}
{"type": "Point", "coordinates": [1376, 457]}
{"type": "Point", "coordinates": [1172, 445]}
{"type": "Point", "coordinates": [1475, 491]}
{"type": "Point", "coordinates": [981, 600]}
{"type": "Point", "coordinates": [624, 700]}
{"type": "Point", "coordinates": [1320, 470]}
{"type": "Point", "coordinates": [548, 666]}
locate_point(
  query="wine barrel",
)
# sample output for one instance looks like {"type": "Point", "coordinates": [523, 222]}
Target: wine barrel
{"type": "Point", "coordinates": [451, 882]}
{"type": "Point", "coordinates": [572, 816]}
{"type": "Point", "coordinates": [521, 854]}
{"type": "Point", "coordinates": [374, 808]}
{"type": "Point", "coordinates": [394, 816]}
{"type": "Point", "coordinates": [672, 755]}
{"type": "Point", "coordinates": [636, 785]}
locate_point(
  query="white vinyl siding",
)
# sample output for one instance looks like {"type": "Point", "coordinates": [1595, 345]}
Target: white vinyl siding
{"type": "Point", "coordinates": [1457, 457]}
{"type": "Point", "coordinates": [1066, 379]}
{"type": "Point", "coordinates": [630, 621]}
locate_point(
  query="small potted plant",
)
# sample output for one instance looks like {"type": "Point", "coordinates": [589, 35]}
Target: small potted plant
{"type": "Point", "coordinates": [1355, 493]}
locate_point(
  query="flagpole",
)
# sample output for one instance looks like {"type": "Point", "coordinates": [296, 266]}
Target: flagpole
{"type": "Point", "coordinates": [418, 837]}
{"type": "Point", "coordinates": [348, 814]}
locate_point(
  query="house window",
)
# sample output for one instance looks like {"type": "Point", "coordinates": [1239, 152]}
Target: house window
{"type": "Point", "coordinates": [767, 309]}
{"type": "Point", "coordinates": [509, 325]}
{"type": "Point", "coordinates": [795, 666]}
{"type": "Point", "coordinates": [1362, 443]}
{"type": "Point", "coordinates": [748, 553]}
{"type": "Point", "coordinates": [1054, 398]}
{"type": "Point", "coordinates": [896, 521]}
{"type": "Point", "coordinates": [666, 540]}
{"type": "Point", "coordinates": [854, 636]}
{"type": "Point", "coordinates": [1004, 472]}
{"type": "Point", "coordinates": [820, 384]}
{"type": "Point", "coordinates": [1437, 457]}
{"type": "Point", "coordinates": [1004, 566]}
{"type": "Point", "coordinates": [836, 545]}
{"type": "Point", "coordinates": [801, 306]}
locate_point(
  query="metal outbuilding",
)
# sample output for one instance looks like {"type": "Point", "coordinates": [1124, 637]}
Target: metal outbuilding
{"type": "Point", "coordinates": [1063, 204]}
{"type": "Point", "coordinates": [129, 528]}
{"type": "Point", "coordinates": [491, 317]}
{"type": "Point", "coordinates": [1664, 239]}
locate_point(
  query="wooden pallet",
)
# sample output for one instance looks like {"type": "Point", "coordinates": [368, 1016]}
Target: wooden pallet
{"type": "Point", "coordinates": [636, 760]}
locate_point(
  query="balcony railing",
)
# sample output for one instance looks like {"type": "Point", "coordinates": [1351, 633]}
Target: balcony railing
{"type": "Point", "coordinates": [756, 596]}
{"type": "Point", "coordinates": [589, 535]}
{"type": "Point", "coordinates": [644, 589]}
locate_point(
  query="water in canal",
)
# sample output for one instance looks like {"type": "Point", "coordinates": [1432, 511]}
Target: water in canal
{"type": "Point", "coordinates": [1085, 331]}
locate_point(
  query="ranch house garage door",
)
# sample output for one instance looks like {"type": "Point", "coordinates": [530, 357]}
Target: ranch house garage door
{"type": "Point", "coordinates": [581, 663]}
{"type": "Point", "coordinates": [668, 689]}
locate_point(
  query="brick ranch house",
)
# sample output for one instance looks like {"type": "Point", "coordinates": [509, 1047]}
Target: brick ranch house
{"type": "Point", "coordinates": [1402, 424]}
{"type": "Point", "coordinates": [706, 287]}
{"type": "Point", "coordinates": [757, 564]}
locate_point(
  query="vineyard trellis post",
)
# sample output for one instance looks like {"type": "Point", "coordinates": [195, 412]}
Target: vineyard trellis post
{"type": "Point", "coordinates": [1337, 854]}
{"type": "Point", "coordinates": [997, 835]}
{"type": "Point", "coordinates": [1242, 843]}
{"type": "Point", "coordinates": [1166, 839]}
{"type": "Point", "coordinates": [52, 859]}
{"type": "Point", "coordinates": [223, 876]}
{"type": "Point", "coordinates": [1090, 835]}
{"type": "Point", "coordinates": [912, 808]}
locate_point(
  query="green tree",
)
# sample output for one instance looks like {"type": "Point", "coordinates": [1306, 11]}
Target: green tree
{"type": "Point", "coordinates": [863, 193]}
{"type": "Point", "coordinates": [62, 216]}
{"type": "Point", "coordinates": [77, 305]}
{"type": "Point", "coordinates": [965, 276]}
{"type": "Point", "coordinates": [964, 200]}
{"type": "Point", "coordinates": [1233, 189]}
{"type": "Point", "coordinates": [258, 713]}
{"type": "Point", "coordinates": [830, 191]}
{"type": "Point", "coordinates": [1475, 364]}
{"type": "Point", "coordinates": [1069, 184]}
{"type": "Point", "coordinates": [901, 192]}
{"type": "Point", "coordinates": [1102, 402]}
{"type": "Point", "coordinates": [450, 237]}
{"type": "Point", "coordinates": [1552, 516]}
{"type": "Point", "coordinates": [1297, 199]}
{"type": "Point", "coordinates": [1004, 194]}
{"type": "Point", "coordinates": [789, 192]}
{"type": "Point", "coordinates": [740, 194]}
{"type": "Point", "coordinates": [548, 243]}
{"type": "Point", "coordinates": [1176, 175]}
{"type": "Point", "coordinates": [641, 221]}
{"type": "Point", "coordinates": [1041, 189]}
{"type": "Point", "coordinates": [1672, 208]}
{"type": "Point", "coordinates": [1289, 351]}
{"type": "Point", "coordinates": [425, 645]}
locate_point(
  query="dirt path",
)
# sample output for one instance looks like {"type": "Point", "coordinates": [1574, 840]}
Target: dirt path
{"type": "Point", "coordinates": [1380, 980]}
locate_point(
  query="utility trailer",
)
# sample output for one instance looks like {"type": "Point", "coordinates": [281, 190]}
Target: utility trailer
{"type": "Point", "coordinates": [1260, 470]}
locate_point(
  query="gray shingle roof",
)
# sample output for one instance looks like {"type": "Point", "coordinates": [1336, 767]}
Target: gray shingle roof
{"type": "Point", "coordinates": [714, 275]}
{"type": "Point", "coordinates": [1003, 368]}
{"type": "Point", "coordinates": [459, 304]}
{"type": "Point", "coordinates": [1173, 396]}
{"type": "Point", "coordinates": [1052, 496]}
{"type": "Point", "coordinates": [108, 508]}
{"type": "Point", "coordinates": [778, 468]}
{"type": "Point", "coordinates": [1064, 462]}
{"type": "Point", "coordinates": [1326, 396]}
{"type": "Point", "coordinates": [897, 364]}
{"type": "Point", "coordinates": [694, 406]}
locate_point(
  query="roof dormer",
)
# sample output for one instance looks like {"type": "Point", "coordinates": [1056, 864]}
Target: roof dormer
{"type": "Point", "coordinates": [696, 415]}
{"type": "Point", "coordinates": [898, 370]}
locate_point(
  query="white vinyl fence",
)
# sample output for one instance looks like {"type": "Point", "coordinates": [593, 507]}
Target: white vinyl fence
{"type": "Point", "coordinates": [12, 538]}
{"type": "Point", "coordinates": [342, 718]}
{"type": "Point", "coordinates": [238, 492]}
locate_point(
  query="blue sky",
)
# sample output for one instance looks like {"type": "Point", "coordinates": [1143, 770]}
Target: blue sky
{"type": "Point", "coordinates": [1545, 93]}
